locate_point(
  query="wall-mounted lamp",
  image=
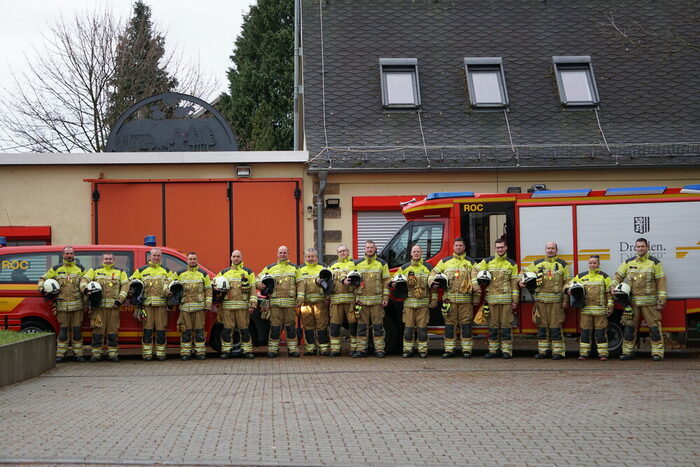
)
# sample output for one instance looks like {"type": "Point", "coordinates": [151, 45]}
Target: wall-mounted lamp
{"type": "Point", "coordinates": [243, 171]}
{"type": "Point", "coordinates": [537, 187]}
{"type": "Point", "coordinates": [332, 203]}
{"type": "Point", "coordinates": [514, 189]}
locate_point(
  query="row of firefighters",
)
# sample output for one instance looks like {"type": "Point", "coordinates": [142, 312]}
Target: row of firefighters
{"type": "Point", "coordinates": [356, 292]}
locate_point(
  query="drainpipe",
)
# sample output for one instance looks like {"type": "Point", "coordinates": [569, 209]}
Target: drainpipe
{"type": "Point", "coordinates": [297, 71]}
{"type": "Point", "coordinates": [319, 214]}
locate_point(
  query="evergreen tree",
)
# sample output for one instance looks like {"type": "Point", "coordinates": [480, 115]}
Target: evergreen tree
{"type": "Point", "coordinates": [138, 72]}
{"type": "Point", "coordinates": [259, 105]}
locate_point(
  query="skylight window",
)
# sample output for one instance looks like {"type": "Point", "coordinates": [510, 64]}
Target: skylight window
{"type": "Point", "coordinates": [486, 82]}
{"type": "Point", "coordinates": [400, 86]}
{"type": "Point", "coordinates": [576, 81]}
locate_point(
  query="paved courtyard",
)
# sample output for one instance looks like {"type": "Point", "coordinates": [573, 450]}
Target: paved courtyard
{"type": "Point", "coordinates": [343, 411]}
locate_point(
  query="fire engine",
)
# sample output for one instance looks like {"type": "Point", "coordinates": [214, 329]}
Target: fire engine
{"type": "Point", "coordinates": [583, 222]}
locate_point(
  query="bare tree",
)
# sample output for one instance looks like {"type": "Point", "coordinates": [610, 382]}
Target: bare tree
{"type": "Point", "coordinates": [659, 39]}
{"type": "Point", "coordinates": [62, 103]}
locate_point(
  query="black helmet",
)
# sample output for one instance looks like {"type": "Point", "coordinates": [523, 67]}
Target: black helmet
{"type": "Point", "coordinates": [440, 281]}
{"type": "Point", "coordinates": [94, 293]}
{"type": "Point", "coordinates": [355, 278]}
{"type": "Point", "coordinates": [326, 279]}
{"type": "Point", "coordinates": [136, 296]}
{"type": "Point", "coordinates": [578, 295]}
{"type": "Point", "coordinates": [530, 280]}
{"type": "Point", "coordinates": [268, 283]}
{"type": "Point", "coordinates": [176, 290]}
{"type": "Point", "coordinates": [400, 286]}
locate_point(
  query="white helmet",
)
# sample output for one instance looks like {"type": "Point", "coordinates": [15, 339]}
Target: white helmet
{"type": "Point", "coordinates": [530, 280]}
{"type": "Point", "coordinates": [399, 278]}
{"type": "Point", "coordinates": [622, 293]}
{"type": "Point", "coordinates": [440, 281]}
{"type": "Point", "coordinates": [221, 284]}
{"type": "Point", "coordinates": [483, 278]}
{"type": "Point", "coordinates": [51, 287]}
{"type": "Point", "coordinates": [92, 287]}
{"type": "Point", "coordinates": [578, 295]}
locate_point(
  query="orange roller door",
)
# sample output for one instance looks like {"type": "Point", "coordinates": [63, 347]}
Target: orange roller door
{"type": "Point", "coordinates": [127, 212]}
{"type": "Point", "coordinates": [264, 217]}
{"type": "Point", "coordinates": [196, 219]}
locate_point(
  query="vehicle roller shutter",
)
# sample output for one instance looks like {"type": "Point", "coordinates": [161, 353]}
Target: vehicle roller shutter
{"type": "Point", "coordinates": [379, 226]}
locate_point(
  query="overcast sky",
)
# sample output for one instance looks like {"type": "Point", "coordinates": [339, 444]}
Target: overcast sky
{"type": "Point", "coordinates": [203, 30]}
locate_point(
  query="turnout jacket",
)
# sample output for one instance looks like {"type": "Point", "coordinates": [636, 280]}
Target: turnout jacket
{"type": "Point", "coordinates": [286, 275]}
{"type": "Point", "coordinates": [461, 273]}
{"type": "Point", "coordinates": [597, 297]}
{"type": "Point", "coordinates": [156, 279]}
{"type": "Point", "coordinates": [342, 293]}
{"type": "Point", "coordinates": [68, 275]}
{"type": "Point", "coordinates": [417, 273]}
{"type": "Point", "coordinates": [646, 278]}
{"type": "Point", "coordinates": [375, 280]}
{"type": "Point", "coordinates": [239, 296]}
{"type": "Point", "coordinates": [307, 288]}
{"type": "Point", "coordinates": [504, 280]}
{"type": "Point", "coordinates": [555, 274]}
{"type": "Point", "coordinates": [197, 291]}
{"type": "Point", "coordinates": [114, 282]}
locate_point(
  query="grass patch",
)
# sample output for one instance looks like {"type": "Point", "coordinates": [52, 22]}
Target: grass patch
{"type": "Point", "coordinates": [9, 337]}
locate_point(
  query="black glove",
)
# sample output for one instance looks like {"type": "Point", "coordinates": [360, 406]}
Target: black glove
{"type": "Point", "coordinates": [117, 304]}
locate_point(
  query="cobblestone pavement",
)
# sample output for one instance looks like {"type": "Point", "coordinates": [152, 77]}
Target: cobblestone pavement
{"type": "Point", "coordinates": [343, 411]}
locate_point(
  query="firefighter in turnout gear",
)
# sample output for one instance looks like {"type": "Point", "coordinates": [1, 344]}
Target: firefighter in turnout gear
{"type": "Point", "coordinates": [647, 282]}
{"type": "Point", "coordinates": [552, 273]}
{"type": "Point", "coordinates": [282, 302]}
{"type": "Point", "coordinates": [415, 306]}
{"type": "Point", "coordinates": [156, 279]}
{"type": "Point", "coordinates": [314, 305]}
{"type": "Point", "coordinates": [238, 303]}
{"type": "Point", "coordinates": [342, 302]}
{"type": "Point", "coordinates": [460, 270]}
{"type": "Point", "coordinates": [105, 318]}
{"type": "Point", "coordinates": [502, 296]}
{"type": "Point", "coordinates": [196, 298]}
{"type": "Point", "coordinates": [598, 305]}
{"type": "Point", "coordinates": [372, 296]}
{"type": "Point", "coordinates": [68, 305]}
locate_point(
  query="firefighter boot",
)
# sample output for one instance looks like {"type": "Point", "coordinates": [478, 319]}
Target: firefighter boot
{"type": "Point", "coordinates": [494, 344]}
{"type": "Point", "coordinates": [585, 344]}
{"type": "Point", "coordinates": [657, 343]}
{"type": "Point", "coordinates": [324, 346]}
{"type": "Point", "coordinates": [542, 343]}
{"type": "Point", "coordinates": [627, 343]}
{"type": "Point", "coordinates": [77, 344]}
{"type": "Point", "coordinates": [423, 342]}
{"type": "Point", "coordinates": [113, 347]}
{"type": "Point", "coordinates": [235, 343]}
{"type": "Point", "coordinates": [310, 345]}
{"type": "Point", "coordinates": [225, 342]}
{"type": "Point", "coordinates": [96, 348]}
{"type": "Point", "coordinates": [558, 344]}
{"type": "Point", "coordinates": [378, 337]}
{"type": "Point", "coordinates": [200, 346]}
{"type": "Point", "coordinates": [449, 341]}
{"type": "Point", "coordinates": [467, 341]}
{"type": "Point", "coordinates": [507, 342]}
{"type": "Point", "coordinates": [335, 340]}
{"type": "Point", "coordinates": [601, 342]}
{"type": "Point", "coordinates": [61, 344]}
{"type": "Point", "coordinates": [160, 345]}
{"type": "Point", "coordinates": [273, 345]}
{"type": "Point", "coordinates": [408, 341]}
{"type": "Point", "coordinates": [354, 346]}
{"type": "Point", "coordinates": [246, 343]}
{"type": "Point", "coordinates": [361, 349]}
{"type": "Point", "coordinates": [292, 349]}
{"type": "Point", "coordinates": [186, 344]}
{"type": "Point", "coordinates": [147, 344]}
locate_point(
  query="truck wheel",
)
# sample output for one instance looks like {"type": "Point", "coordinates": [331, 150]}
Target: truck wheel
{"type": "Point", "coordinates": [614, 339]}
{"type": "Point", "coordinates": [215, 337]}
{"type": "Point", "coordinates": [35, 326]}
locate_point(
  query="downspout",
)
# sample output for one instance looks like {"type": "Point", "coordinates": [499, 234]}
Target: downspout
{"type": "Point", "coordinates": [297, 70]}
{"type": "Point", "coordinates": [319, 214]}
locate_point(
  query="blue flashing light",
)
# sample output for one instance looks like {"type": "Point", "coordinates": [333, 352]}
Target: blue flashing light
{"type": "Point", "coordinates": [450, 194]}
{"type": "Point", "coordinates": [3, 241]}
{"type": "Point", "coordinates": [149, 240]}
{"type": "Point", "coordinates": [691, 189]}
{"type": "Point", "coordinates": [640, 190]}
{"type": "Point", "coordinates": [560, 193]}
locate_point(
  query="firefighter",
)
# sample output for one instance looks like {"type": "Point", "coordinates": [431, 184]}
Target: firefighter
{"type": "Point", "coordinates": [502, 296]}
{"type": "Point", "coordinates": [645, 276]}
{"type": "Point", "coordinates": [238, 303]}
{"type": "Point", "coordinates": [104, 319]}
{"type": "Point", "coordinates": [313, 304]}
{"type": "Point", "coordinates": [282, 302]}
{"type": "Point", "coordinates": [415, 305]}
{"type": "Point", "coordinates": [460, 270]}
{"type": "Point", "coordinates": [68, 304]}
{"type": "Point", "coordinates": [597, 306]}
{"type": "Point", "coordinates": [196, 299]}
{"type": "Point", "coordinates": [154, 314]}
{"type": "Point", "coordinates": [371, 297]}
{"type": "Point", "coordinates": [549, 275]}
{"type": "Point", "coordinates": [342, 301]}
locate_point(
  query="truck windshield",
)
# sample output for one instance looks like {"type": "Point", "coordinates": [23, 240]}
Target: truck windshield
{"type": "Point", "coordinates": [426, 234]}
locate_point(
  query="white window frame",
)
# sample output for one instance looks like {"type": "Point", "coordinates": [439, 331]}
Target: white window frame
{"type": "Point", "coordinates": [485, 64]}
{"type": "Point", "coordinates": [576, 63]}
{"type": "Point", "coordinates": [399, 65]}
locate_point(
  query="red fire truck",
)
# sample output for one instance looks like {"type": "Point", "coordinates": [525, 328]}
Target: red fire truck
{"type": "Point", "coordinates": [583, 222]}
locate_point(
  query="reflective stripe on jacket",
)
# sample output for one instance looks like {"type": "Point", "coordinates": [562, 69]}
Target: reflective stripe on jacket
{"type": "Point", "coordinates": [646, 278]}
{"type": "Point", "coordinates": [504, 280]}
{"type": "Point", "coordinates": [307, 288]}
{"type": "Point", "coordinates": [286, 275]}
{"type": "Point", "coordinates": [197, 290]}
{"type": "Point", "coordinates": [114, 282]}
{"type": "Point", "coordinates": [555, 274]}
{"type": "Point", "coordinates": [417, 273]}
{"type": "Point", "coordinates": [596, 286]}
{"type": "Point", "coordinates": [375, 280]}
{"type": "Point", "coordinates": [342, 293]}
{"type": "Point", "coordinates": [461, 272]}
{"type": "Point", "coordinates": [68, 275]}
{"type": "Point", "coordinates": [156, 279]}
{"type": "Point", "coordinates": [239, 297]}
